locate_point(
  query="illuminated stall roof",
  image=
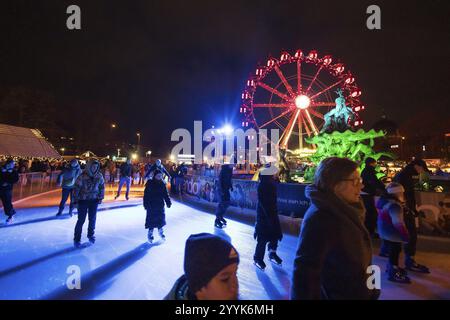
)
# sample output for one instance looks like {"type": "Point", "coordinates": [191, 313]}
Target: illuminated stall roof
{"type": "Point", "coordinates": [24, 142]}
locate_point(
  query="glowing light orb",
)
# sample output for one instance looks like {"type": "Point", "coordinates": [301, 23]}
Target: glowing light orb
{"type": "Point", "coordinates": [302, 102]}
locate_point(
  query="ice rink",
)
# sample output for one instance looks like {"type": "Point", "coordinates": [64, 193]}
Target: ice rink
{"type": "Point", "coordinates": [37, 250]}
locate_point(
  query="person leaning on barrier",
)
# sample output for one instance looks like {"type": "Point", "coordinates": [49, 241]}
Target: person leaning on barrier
{"type": "Point", "coordinates": [334, 249]}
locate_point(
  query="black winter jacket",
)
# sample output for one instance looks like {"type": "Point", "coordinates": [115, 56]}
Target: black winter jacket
{"type": "Point", "coordinates": [8, 178]}
{"type": "Point", "coordinates": [267, 222]}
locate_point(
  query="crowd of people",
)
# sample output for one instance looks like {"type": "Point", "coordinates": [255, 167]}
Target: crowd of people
{"type": "Point", "coordinates": [335, 242]}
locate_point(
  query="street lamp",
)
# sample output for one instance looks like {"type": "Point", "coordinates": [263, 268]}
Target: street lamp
{"type": "Point", "coordinates": [62, 150]}
{"type": "Point", "coordinates": [139, 138]}
{"type": "Point", "coordinates": [149, 153]}
{"type": "Point", "coordinates": [118, 152]}
{"type": "Point", "coordinates": [113, 125]}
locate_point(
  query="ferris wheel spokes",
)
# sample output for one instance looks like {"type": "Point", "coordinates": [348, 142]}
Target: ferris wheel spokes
{"type": "Point", "coordinates": [314, 129]}
{"type": "Point", "coordinates": [299, 76]}
{"type": "Point", "coordinates": [314, 113]}
{"type": "Point", "coordinates": [326, 89]}
{"type": "Point", "coordinates": [274, 91]}
{"type": "Point", "coordinates": [323, 104]}
{"type": "Point", "coordinates": [289, 128]}
{"type": "Point", "coordinates": [313, 80]}
{"type": "Point", "coordinates": [277, 117]}
{"type": "Point", "coordinates": [283, 79]}
{"type": "Point", "coordinates": [271, 105]}
{"type": "Point", "coordinates": [308, 131]}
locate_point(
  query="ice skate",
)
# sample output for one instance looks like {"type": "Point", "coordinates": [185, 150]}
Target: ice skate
{"type": "Point", "coordinates": [260, 264]}
{"type": "Point", "coordinates": [395, 274]}
{"type": "Point", "coordinates": [77, 244]}
{"type": "Point", "coordinates": [161, 234]}
{"type": "Point", "coordinates": [412, 265]}
{"type": "Point", "coordinates": [224, 222]}
{"type": "Point", "coordinates": [150, 236]}
{"type": "Point", "coordinates": [273, 257]}
{"type": "Point", "coordinates": [218, 224]}
{"type": "Point", "coordinates": [91, 239]}
{"type": "Point", "coordinates": [10, 220]}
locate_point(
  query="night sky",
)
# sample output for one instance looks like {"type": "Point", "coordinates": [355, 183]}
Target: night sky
{"type": "Point", "coordinates": [160, 65]}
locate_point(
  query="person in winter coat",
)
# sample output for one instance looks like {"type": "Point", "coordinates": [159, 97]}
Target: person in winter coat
{"type": "Point", "coordinates": [267, 228]}
{"type": "Point", "coordinates": [126, 173]}
{"type": "Point", "coordinates": [372, 187]}
{"type": "Point", "coordinates": [406, 178]}
{"type": "Point", "coordinates": [334, 248]}
{"type": "Point", "coordinates": [223, 191]}
{"type": "Point", "coordinates": [210, 270]}
{"type": "Point", "coordinates": [66, 179]}
{"type": "Point", "coordinates": [157, 166]}
{"type": "Point", "coordinates": [112, 171]}
{"type": "Point", "coordinates": [88, 193]}
{"type": "Point", "coordinates": [155, 196]}
{"type": "Point", "coordinates": [8, 177]}
{"type": "Point", "coordinates": [392, 229]}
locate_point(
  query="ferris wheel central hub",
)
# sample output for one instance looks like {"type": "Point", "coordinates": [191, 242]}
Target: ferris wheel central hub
{"type": "Point", "coordinates": [302, 102]}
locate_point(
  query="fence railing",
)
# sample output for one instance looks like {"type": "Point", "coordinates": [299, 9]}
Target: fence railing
{"type": "Point", "coordinates": [33, 183]}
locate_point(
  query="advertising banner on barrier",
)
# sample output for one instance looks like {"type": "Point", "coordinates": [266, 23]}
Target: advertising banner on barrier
{"type": "Point", "coordinates": [291, 196]}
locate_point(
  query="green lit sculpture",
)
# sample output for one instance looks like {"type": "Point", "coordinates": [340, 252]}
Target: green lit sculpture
{"type": "Point", "coordinates": [339, 117]}
{"type": "Point", "coordinates": [356, 146]}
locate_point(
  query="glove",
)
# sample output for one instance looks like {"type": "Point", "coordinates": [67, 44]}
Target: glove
{"type": "Point", "coordinates": [169, 205]}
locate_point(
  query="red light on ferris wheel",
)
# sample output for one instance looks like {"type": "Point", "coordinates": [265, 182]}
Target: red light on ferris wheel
{"type": "Point", "coordinates": [312, 54]}
{"type": "Point", "coordinates": [259, 71]}
{"type": "Point", "coordinates": [298, 54]}
{"type": "Point", "coordinates": [356, 93]}
{"type": "Point", "coordinates": [339, 68]}
{"type": "Point", "coordinates": [350, 79]}
{"type": "Point", "coordinates": [284, 56]}
{"type": "Point", "coordinates": [270, 63]}
{"type": "Point", "coordinates": [327, 60]}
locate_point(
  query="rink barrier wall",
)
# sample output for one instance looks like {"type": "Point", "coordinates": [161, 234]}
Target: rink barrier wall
{"type": "Point", "coordinates": [291, 200]}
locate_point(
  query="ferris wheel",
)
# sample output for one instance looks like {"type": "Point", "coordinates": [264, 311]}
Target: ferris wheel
{"type": "Point", "coordinates": [295, 92]}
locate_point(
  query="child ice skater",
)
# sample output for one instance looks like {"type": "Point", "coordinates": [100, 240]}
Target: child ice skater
{"type": "Point", "coordinates": [155, 199]}
{"type": "Point", "coordinates": [392, 229]}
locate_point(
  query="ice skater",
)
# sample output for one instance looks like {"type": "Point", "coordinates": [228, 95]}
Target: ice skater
{"type": "Point", "coordinates": [8, 177]}
{"type": "Point", "coordinates": [155, 199]}
{"type": "Point", "coordinates": [392, 229]}
{"type": "Point", "coordinates": [126, 172]}
{"type": "Point", "coordinates": [88, 193]}
{"type": "Point", "coordinates": [267, 228]}
{"type": "Point", "coordinates": [157, 166]}
{"type": "Point", "coordinates": [66, 179]}
{"type": "Point", "coordinates": [223, 189]}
